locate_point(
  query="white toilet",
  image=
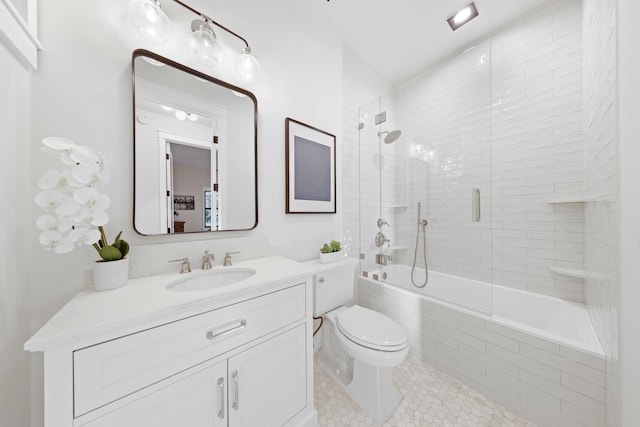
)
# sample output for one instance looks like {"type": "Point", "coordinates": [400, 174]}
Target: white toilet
{"type": "Point", "coordinates": [359, 346]}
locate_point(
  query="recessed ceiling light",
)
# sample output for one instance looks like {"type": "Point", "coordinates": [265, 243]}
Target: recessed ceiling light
{"type": "Point", "coordinates": [462, 16]}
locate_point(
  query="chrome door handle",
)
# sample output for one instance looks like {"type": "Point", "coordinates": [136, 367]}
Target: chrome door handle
{"type": "Point", "coordinates": [221, 404]}
{"type": "Point", "coordinates": [475, 205]}
{"type": "Point", "coordinates": [242, 325]}
{"type": "Point", "coordinates": [235, 404]}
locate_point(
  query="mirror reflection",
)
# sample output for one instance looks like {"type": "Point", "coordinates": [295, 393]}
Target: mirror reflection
{"type": "Point", "coordinates": [195, 143]}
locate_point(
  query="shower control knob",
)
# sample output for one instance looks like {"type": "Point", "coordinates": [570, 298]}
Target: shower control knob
{"type": "Point", "coordinates": [380, 239]}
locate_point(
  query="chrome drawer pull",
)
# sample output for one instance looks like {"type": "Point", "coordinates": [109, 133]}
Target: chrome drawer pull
{"type": "Point", "coordinates": [221, 403]}
{"type": "Point", "coordinates": [242, 325]}
{"type": "Point", "coordinates": [236, 404]}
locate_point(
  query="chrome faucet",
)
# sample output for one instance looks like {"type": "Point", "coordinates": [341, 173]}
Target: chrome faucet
{"type": "Point", "coordinates": [185, 266]}
{"type": "Point", "coordinates": [381, 239]}
{"type": "Point", "coordinates": [207, 260]}
{"type": "Point", "coordinates": [383, 259]}
{"type": "Point", "coordinates": [227, 258]}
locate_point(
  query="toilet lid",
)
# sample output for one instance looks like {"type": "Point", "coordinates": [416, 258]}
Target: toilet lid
{"type": "Point", "coordinates": [371, 329]}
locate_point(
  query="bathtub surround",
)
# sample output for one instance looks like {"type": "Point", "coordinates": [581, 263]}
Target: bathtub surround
{"type": "Point", "coordinates": [552, 384]}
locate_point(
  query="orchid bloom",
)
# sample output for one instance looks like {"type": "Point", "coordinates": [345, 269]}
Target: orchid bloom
{"type": "Point", "coordinates": [75, 208]}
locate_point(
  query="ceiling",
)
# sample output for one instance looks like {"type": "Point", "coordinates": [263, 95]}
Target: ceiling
{"type": "Point", "coordinates": [401, 38]}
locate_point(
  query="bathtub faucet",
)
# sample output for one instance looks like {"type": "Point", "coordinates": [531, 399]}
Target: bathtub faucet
{"type": "Point", "coordinates": [382, 259]}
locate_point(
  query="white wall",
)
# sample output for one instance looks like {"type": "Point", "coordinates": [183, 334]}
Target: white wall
{"type": "Point", "coordinates": [628, 70]}
{"type": "Point", "coordinates": [16, 237]}
{"type": "Point", "coordinates": [83, 91]}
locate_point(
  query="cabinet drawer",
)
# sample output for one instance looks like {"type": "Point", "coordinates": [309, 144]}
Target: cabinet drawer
{"type": "Point", "coordinates": [108, 371]}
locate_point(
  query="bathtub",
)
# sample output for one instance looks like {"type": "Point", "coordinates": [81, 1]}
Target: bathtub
{"type": "Point", "coordinates": [535, 354]}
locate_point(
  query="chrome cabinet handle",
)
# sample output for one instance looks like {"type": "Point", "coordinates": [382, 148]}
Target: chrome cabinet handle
{"type": "Point", "coordinates": [236, 404]}
{"type": "Point", "coordinates": [221, 404]}
{"type": "Point", "coordinates": [212, 336]}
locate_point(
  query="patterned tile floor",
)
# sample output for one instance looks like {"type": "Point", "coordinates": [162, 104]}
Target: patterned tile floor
{"type": "Point", "coordinates": [430, 398]}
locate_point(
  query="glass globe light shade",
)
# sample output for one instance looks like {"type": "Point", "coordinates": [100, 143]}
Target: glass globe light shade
{"type": "Point", "coordinates": [247, 67]}
{"type": "Point", "coordinates": [149, 20]}
{"type": "Point", "coordinates": [204, 45]}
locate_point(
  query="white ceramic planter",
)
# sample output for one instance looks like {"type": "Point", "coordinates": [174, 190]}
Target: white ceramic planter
{"type": "Point", "coordinates": [110, 274]}
{"type": "Point", "coordinates": [330, 257]}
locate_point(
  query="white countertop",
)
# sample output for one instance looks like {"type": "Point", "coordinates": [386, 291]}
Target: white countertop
{"type": "Point", "coordinates": [145, 302]}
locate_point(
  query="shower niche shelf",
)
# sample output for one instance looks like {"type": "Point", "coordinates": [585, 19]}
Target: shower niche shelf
{"type": "Point", "coordinates": [398, 248]}
{"type": "Point", "coordinates": [571, 272]}
{"type": "Point", "coordinates": [567, 199]}
{"type": "Point", "coordinates": [399, 206]}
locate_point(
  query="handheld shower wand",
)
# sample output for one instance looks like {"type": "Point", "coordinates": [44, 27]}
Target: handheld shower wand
{"type": "Point", "coordinates": [421, 223]}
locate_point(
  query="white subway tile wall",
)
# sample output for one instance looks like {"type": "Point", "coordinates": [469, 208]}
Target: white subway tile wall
{"type": "Point", "coordinates": [548, 383]}
{"type": "Point", "coordinates": [601, 186]}
{"type": "Point", "coordinates": [504, 117]}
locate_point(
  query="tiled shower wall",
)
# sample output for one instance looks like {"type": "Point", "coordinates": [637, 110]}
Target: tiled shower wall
{"type": "Point", "coordinates": [601, 187]}
{"type": "Point", "coordinates": [515, 132]}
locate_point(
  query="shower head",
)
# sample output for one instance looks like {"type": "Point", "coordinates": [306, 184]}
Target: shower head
{"type": "Point", "coordinates": [391, 136]}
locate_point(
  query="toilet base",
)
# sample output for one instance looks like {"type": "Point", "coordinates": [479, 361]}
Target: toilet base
{"type": "Point", "coordinates": [369, 386]}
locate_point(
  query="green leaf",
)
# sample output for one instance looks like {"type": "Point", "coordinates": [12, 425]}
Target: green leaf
{"type": "Point", "coordinates": [111, 253]}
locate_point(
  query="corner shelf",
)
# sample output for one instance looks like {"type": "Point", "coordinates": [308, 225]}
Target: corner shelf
{"type": "Point", "coordinates": [570, 272]}
{"type": "Point", "coordinates": [398, 206]}
{"type": "Point", "coordinates": [397, 248]}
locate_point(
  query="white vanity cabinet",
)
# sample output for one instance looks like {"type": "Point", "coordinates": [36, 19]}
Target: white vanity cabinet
{"type": "Point", "coordinates": [245, 362]}
{"type": "Point", "coordinates": [262, 386]}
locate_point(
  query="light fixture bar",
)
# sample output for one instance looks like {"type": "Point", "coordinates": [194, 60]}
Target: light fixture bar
{"type": "Point", "coordinates": [462, 16]}
{"type": "Point", "coordinates": [207, 18]}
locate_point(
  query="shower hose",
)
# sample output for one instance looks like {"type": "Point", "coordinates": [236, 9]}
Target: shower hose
{"type": "Point", "coordinates": [422, 223]}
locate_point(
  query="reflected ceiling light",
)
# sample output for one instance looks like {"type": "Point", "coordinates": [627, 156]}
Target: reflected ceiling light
{"type": "Point", "coordinates": [153, 61]}
{"type": "Point", "coordinates": [192, 117]}
{"type": "Point", "coordinates": [462, 16]}
{"type": "Point", "coordinates": [166, 107]}
{"type": "Point", "coordinates": [204, 44]}
{"type": "Point", "coordinates": [150, 21]}
{"type": "Point", "coordinates": [181, 115]}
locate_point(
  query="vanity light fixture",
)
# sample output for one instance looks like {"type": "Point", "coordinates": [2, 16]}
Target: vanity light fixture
{"type": "Point", "coordinates": [150, 21]}
{"type": "Point", "coordinates": [204, 43]}
{"type": "Point", "coordinates": [247, 66]}
{"type": "Point", "coordinates": [462, 16]}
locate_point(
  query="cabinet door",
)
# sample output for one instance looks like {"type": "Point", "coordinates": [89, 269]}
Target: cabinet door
{"type": "Point", "coordinates": [267, 383]}
{"type": "Point", "coordinates": [198, 400]}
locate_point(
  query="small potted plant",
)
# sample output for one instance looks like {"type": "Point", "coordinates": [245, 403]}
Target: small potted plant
{"type": "Point", "coordinates": [75, 210]}
{"type": "Point", "coordinates": [330, 252]}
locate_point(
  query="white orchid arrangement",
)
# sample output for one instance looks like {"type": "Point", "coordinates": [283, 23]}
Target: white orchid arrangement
{"type": "Point", "coordinates": [75, 209]}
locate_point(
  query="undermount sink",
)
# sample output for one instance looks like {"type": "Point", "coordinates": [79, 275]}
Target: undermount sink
{"type": "Point", "coordinates": [211, 279]}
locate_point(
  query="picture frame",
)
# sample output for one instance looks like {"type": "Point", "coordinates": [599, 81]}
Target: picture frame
{"type": "Point", "coordinates": [184, 203]}
{"type": "Point", "coordinates": [310, 169]}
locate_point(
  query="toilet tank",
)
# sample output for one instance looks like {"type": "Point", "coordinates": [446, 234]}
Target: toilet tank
{"type": "Point", "coordinates": [333, 285]}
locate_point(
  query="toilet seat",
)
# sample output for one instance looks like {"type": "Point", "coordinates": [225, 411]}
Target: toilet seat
{"type": "Point", "coordinates": [371, 329]}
